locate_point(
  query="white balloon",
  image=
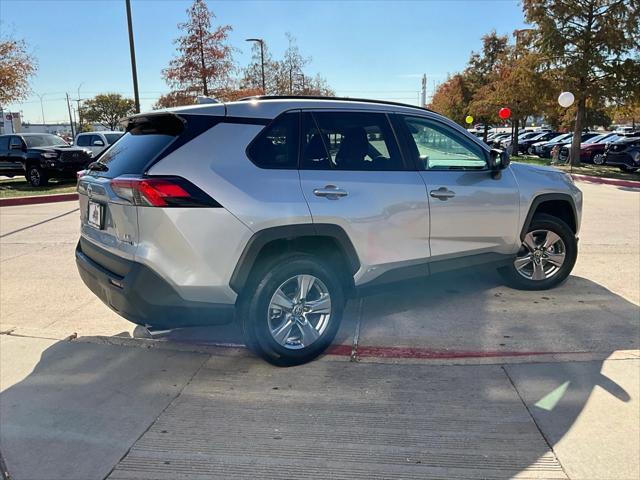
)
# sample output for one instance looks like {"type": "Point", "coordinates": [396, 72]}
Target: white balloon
{"type": "Point", "coordinates": [566, 99]}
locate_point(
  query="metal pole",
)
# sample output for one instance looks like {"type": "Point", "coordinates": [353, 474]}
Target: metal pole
{"type": "Point", "coordinates": [41, 96]}
{"type": "Point", "coordinates": [132, 50]}
{"type": "Point", "coordinates": [79, 110]}
{"type": "Point", "coordinates": [73, 131]}
{"type": "Point", "coordinates": [264, 85]}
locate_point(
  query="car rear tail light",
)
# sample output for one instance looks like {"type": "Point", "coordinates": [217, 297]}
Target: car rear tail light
{"type": "Point", "coordinates": [161, 192]}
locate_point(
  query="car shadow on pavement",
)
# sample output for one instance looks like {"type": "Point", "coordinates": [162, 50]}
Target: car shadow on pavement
{"type": "Point", "coordinates": [191, 415]}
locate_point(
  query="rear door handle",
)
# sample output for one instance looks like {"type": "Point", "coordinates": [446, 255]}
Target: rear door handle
{"type": "Point", "coordinates": [443, 193]}
{"type": "Point", "coordinates": [331, 192]}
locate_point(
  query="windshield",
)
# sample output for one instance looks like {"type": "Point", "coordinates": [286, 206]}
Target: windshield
{"type": "Point", "coordinates": [596, 139]}
{"type": "Point", "coordinates": [112, 137]}
{"type": "Point", "coordinates": [44, 141]}
{"type": "Point", "coordinates": [565, 136]}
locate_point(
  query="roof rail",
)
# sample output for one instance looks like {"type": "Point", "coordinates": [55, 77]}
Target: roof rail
{"type": "Point", "coordinates": [319, 97]}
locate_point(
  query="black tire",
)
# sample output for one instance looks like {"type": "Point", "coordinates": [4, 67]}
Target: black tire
{"type": "Point", "coordinates": [598, 159]}
{"type": "Point", "coordinates": [254, 307]}
{"type": "Point", "coordinates": [624, 168]}
{"type": "Point", "coordinates": [36, 176]}
{"type": "Point", "coordinates": [553, 224]}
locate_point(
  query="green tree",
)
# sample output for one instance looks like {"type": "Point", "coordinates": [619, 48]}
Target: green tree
{"type": "Point", "coordinates": [480, 75]}
{"type": "Point", "coordinates": [452, 98]}
{"type": "Point", "coordinates": [107, 109]}
{"type": "Point", "coordinates": [204, 63]}
{"type": "Point", "coordinates": [594, 43]}
{"type": "Point", "coordinates": [17, 66]}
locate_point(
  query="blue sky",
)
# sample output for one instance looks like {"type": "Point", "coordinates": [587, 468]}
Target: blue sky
{"type": "Point", "coordinates": [373, 49]}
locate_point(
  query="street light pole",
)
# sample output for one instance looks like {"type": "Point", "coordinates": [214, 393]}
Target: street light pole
{"type": "Point", "coordinates": [79, 111]}
{"type": "Point", "coordinates": [132, 51]}
{"type": "Point", "coordinates": [41, 96]}
{"type": "Point", "coordinates": [261, 42]}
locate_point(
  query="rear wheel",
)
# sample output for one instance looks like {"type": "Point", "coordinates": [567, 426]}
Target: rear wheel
{"type": "Point", "coordinates": [293, 311]}
{"type": "Point", "coordinates": [546, 257]}
{"type": "Point", "coordinates": [624, 168]}
{"type": "Point", "coordinates": [36, 176]}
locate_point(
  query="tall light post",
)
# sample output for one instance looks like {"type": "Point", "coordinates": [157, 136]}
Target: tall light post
{"type": "Point", "coordinates": [41, 96]}
{"type": "Point", "coordinates": [78, 109]}
{"type": "Point", "coordinates": [132, 51]}
{"type": "Point", "coordinates": [261, 42]}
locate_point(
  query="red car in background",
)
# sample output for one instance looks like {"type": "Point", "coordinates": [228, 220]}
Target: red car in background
{"type": "Point", "coordinates": [591, 150]}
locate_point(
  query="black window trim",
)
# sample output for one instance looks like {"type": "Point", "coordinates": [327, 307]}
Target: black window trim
{"type": "Point", "coordinates": [406, 163]}
{"type": "Point", "coordinates": [401, 125]}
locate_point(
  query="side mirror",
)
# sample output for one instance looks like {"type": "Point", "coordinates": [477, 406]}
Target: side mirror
{"type": "Point", "coordinates": [498, 160]}
{"type": "Point", "coordinates": [98, 143]}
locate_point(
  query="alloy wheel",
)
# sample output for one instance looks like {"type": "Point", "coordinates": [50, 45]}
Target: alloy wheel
{"type": "Point", "coordinates": [598, 159]}
{"type": "Point", "coordinates": [299, 311]}
{"type": "Point", "coordinates": [34, 177]}
{"type": "Point", "coordinates": [541, 256]}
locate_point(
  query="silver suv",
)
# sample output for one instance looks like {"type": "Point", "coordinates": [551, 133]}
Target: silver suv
{"type": "Point", "coordinates": [274, 210]}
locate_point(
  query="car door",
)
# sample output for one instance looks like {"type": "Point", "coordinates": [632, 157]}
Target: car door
{"type": "Point", "coordinates": [353, 175]}
{"type": "Point", "coordinates": [5, 164]}
{"type": "Point", "coordinates": [472, 210]}
{"type": "Point", "coordinates": [17, 153]}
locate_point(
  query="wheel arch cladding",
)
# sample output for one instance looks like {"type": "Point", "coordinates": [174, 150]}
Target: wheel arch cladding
{"type": "Point", "coordinates": [559, 205]}
{"type": "Point", "coordinates": [330, 241]}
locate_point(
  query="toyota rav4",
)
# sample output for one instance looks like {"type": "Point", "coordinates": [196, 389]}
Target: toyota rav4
{"type": "Point", "coordinates": [274, 211]}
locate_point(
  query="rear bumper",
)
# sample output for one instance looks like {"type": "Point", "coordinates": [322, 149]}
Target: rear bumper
{"type": "Point", "coordinates": [143, 297]}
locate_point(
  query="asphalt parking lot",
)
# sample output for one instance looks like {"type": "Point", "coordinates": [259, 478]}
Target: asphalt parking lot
{"type": "Point", "coordinates": [456, 376]}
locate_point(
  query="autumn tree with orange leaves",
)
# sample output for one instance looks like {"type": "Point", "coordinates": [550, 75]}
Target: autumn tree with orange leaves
{"type": "Point", "coordinates": [16, 68]}
{"type": "Point", "coordinates": [204, 61]}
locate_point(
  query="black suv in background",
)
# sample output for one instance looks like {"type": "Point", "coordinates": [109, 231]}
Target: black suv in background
{"type": "Point", "coordinates": [624, 154]}
{"type": "Point", "coordinates": [39, 157]}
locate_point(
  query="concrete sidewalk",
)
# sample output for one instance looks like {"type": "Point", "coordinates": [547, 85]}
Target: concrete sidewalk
{"type": "Point", "coordinates": [74, 410]}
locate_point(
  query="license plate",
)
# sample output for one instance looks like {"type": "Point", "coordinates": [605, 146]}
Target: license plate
{"type": "Point", "coordinates": [95, 215]}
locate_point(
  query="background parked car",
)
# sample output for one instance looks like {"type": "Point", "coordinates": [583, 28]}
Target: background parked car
{"type": "Point", "coordinates": [538, 148]}
{"type": "Point", "coordinates": [591, 150]}
{"type": "Point", "coordinates": [525, 145]}
{"type": "Point", "coordinates": [40, 156]}
{"type": "Point", "coordinates": [97, 142]}
{"type": "Point", "coordinates": [552, 149]}
{"type": "Point", "coordinates": [624, 153]}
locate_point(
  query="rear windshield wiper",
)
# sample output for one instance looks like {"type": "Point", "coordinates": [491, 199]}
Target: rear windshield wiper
{"type": "Point", "coordinates": [98, 166]}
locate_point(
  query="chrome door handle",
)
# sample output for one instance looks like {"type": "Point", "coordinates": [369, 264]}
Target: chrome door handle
{"type": "Point", "coordinates": [443, 193]}
{"type": "Point", "coordinates": [331, 192]}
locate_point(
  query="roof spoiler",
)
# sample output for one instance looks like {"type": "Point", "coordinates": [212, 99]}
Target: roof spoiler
{"type": "Point", "coordinates": [166, 123]}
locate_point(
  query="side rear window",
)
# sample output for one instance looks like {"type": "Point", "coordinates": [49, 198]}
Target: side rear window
{"type": "Point", "coordinates": [277, 145]}
{"type": "Point", "coordinates": [4, 143]}
{"type": "Point", "coordinates": [349, 141]}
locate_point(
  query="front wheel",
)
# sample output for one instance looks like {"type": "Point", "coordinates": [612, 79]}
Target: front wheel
{"type": "Point", "coordinates": [547, 255]}
{"type": "Point", "coordinates": [598, 159]}
{"type": "Point", "coordinates": [293, 311]}
{"type": "Point", "coordinates": [36, 176]}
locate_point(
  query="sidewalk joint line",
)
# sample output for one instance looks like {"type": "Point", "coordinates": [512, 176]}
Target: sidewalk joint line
{"type": "Point", "coordinates": [187, 383]}
{"type": "Point", "coordinates": [524, 404]}
{"type": "Point", "coordinates": [39, 223]}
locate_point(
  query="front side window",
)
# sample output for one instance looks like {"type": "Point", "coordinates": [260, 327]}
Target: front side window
{"type": "Point", "coordinates": [16, 142]}
{"type": "Point", "coordinates": [438, 147]}
{"type": "Point", "coordinates": [349, 141]}
{"type": "Point", "coordinates": [83, 141]}
{"type": "Point", "coordinates": [277, 145]}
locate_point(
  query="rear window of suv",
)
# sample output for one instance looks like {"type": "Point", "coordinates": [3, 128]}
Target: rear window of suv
{"type": "Point", "coordinates": [133, 152]}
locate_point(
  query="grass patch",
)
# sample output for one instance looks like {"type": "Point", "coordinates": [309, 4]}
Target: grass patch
{"type": "Point", "coordinates": [603, 171]}
{"type": "Point", "coordinates": [19, 187]}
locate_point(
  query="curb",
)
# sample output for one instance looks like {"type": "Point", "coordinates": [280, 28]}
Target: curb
{"type": "Point", "coordinates": [606, 181]}
{"type": "Point", "coordinates": [60, 197]}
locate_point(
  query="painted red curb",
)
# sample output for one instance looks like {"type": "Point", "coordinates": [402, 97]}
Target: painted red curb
{"type": "Point", "coordinates": [425, 353]}
{"type": "Point", "coordinates": [606, 181]}
{"type": "Point", "coordinates": [60, 197]}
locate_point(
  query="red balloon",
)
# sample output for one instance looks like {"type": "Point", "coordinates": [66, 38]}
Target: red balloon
{"type": "Point", "coordinates": [504, 113]}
